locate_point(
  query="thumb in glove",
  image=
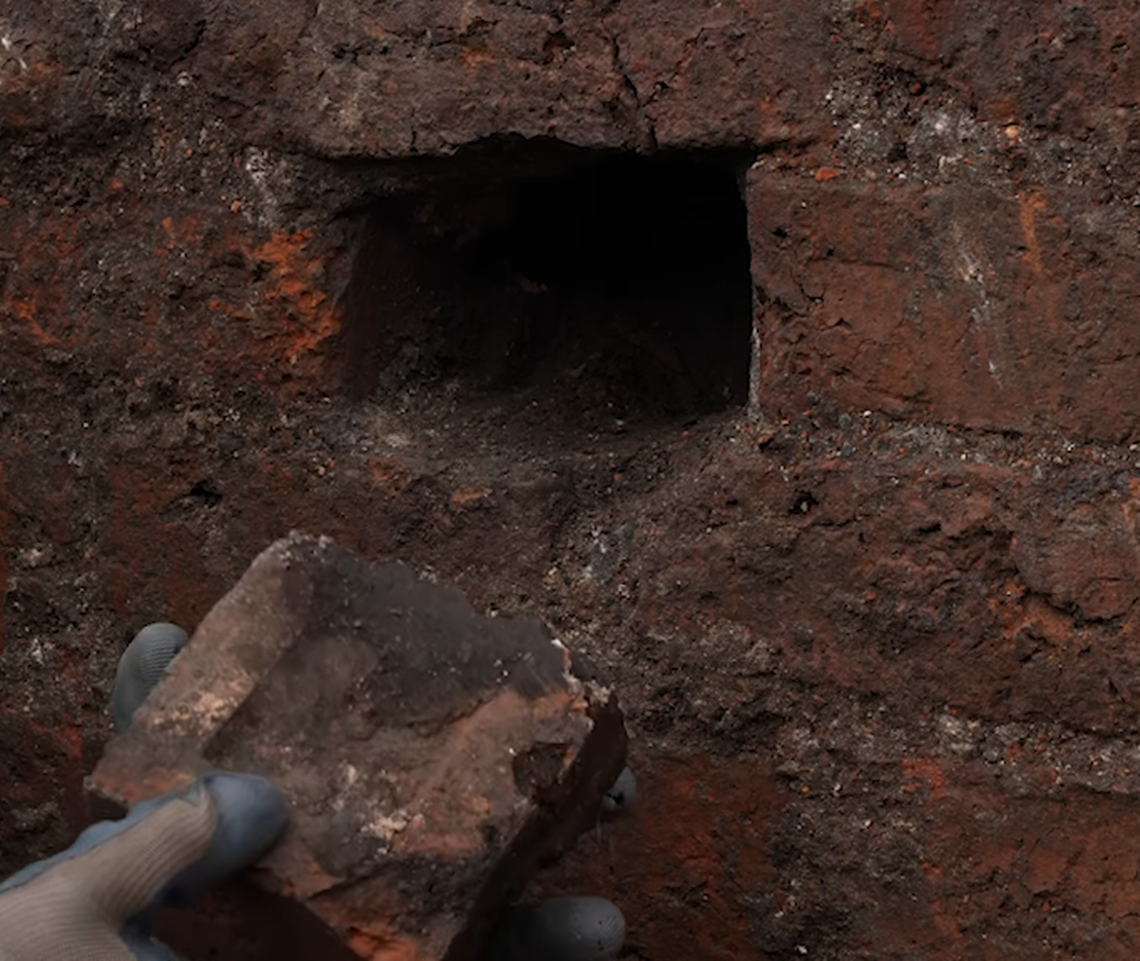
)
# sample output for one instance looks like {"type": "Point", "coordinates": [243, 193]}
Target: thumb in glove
{"type": "Point", "coordinates": [91, 901]}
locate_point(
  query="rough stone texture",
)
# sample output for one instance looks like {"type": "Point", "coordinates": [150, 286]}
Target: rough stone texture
{"type": "Point", "coordinates": [431, 757]}
{"type": "Point", "coordinates": [902, 298]}
{"type": "Point", "coordinates": [876, 632]}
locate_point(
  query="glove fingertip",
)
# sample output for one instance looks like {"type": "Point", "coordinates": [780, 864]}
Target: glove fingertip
{"type": "Point", "coordinates": [141, 667]}
{"type": "Point", "coordinates": [561, 929]}
{"type": "Point", "coordinates": [622, 794]}
{"type": "Point", "coordinates": [252, 815]}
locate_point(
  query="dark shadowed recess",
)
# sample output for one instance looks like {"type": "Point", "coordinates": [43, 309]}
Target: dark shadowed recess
{"type": "Point", "coordinates": [582, 286]}
{"type": "Point", "coordinates": [240, 922]}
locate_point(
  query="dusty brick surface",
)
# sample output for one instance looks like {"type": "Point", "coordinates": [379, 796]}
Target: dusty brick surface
{"type": "Point", "coordinates": [976, 306]}
{"type": "Point", "coordinates": [431, 758]}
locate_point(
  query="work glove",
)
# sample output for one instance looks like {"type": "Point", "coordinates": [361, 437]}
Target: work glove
{"type": "Point", "coordinates": [93, 901]}
{"type": "Point", "coordinates": [144, 662]}
{"type": "Point", "coordinates": [558, 929]}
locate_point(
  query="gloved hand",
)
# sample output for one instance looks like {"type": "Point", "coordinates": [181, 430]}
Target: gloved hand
{"type": "Point", "coordinates": [569, 928]}
{"type": "Point", "coordinates": [144, 662]}
{"type": "Point", "coordinates": [558, 929]}
{"type": "Point", "coordinates": [92, 902]}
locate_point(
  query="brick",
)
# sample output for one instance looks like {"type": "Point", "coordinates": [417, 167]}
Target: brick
{"type": "Point", "coordinates": [432, 757]}
{"type": "Point", "coordinates": [962, 303]}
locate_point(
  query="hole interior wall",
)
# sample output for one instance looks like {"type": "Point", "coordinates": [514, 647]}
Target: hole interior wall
{"type": "Point", "coordinates": [592, 286]}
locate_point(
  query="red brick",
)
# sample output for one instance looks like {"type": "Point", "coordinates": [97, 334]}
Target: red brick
{"type": "Point", "coordinates": [961, 303]}
{"type": "Point", "coordinates": [432, 758]}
